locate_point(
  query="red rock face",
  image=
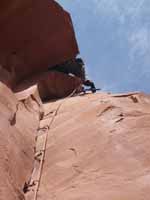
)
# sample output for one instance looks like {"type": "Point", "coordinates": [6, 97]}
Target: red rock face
{"type": "Point", "coordinates": [51, 85]}
{"type": "Point", "coordinates": [19, 121]}
{"type": "Point", "coordinates": [35, 34]}
{"type": "Point", "coordinates": [97, 148]}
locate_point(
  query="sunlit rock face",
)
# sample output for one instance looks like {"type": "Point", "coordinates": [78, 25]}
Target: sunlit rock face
{"type": "Point", "coordinates": [98, 148]}
{"type": "Point", "coordinates": [34, 35]}
{"type": "Point", "coordinates": [19, 121]}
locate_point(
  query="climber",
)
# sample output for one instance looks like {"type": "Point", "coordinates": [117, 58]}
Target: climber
{"type": "Point", "coordinates": [90, 84]}
{"type": "Point", "coordinates": [76, 68]}
{"type": "Point", "coordinates": [86, 82]}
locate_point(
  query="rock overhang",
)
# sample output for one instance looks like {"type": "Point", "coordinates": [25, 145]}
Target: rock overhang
{"type": "Point", "coordinates": [35, 35]}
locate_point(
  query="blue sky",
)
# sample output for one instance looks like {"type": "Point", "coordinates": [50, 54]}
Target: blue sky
{"type": "Point", "coordinates": [114, 41]}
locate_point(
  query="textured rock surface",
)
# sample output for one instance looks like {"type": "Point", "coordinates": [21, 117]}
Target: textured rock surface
{"type": "Point", "coordinates": [19, 121]}
{"type": "Point", "coordinates": [98, 148]}
{"type": "Point", "coordinates": [98, 145]}
{"type": "Point", "coordinates": [34, 34]}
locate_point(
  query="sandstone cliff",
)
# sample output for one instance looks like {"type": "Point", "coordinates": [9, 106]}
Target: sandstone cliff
{"type": "Point", "coordinates": [19, 120]}
{"type": "Point", "coordinates": [97, 148]}
{"type": "Point", "coordinates": [34, 34]}
{"type": "Point", "coordinates": [82, 147]}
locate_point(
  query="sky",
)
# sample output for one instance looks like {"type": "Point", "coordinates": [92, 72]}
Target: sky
{"type": "Point", "coordinates": [114, 41]}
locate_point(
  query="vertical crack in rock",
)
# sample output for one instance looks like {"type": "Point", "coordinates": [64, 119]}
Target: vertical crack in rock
{"type": "Point", "coordinates": [12, 119]}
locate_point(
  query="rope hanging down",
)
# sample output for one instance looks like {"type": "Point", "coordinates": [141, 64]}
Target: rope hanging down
{"type": "Point", "coordinates": [43, 151]}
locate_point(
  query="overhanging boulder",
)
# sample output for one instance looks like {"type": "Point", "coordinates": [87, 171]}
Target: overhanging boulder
{"type": "Point", "coordinates": [35, 34]}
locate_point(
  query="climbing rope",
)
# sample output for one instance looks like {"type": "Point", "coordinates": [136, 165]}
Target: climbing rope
{"type": "Point", "coordinates": [43, 151]}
